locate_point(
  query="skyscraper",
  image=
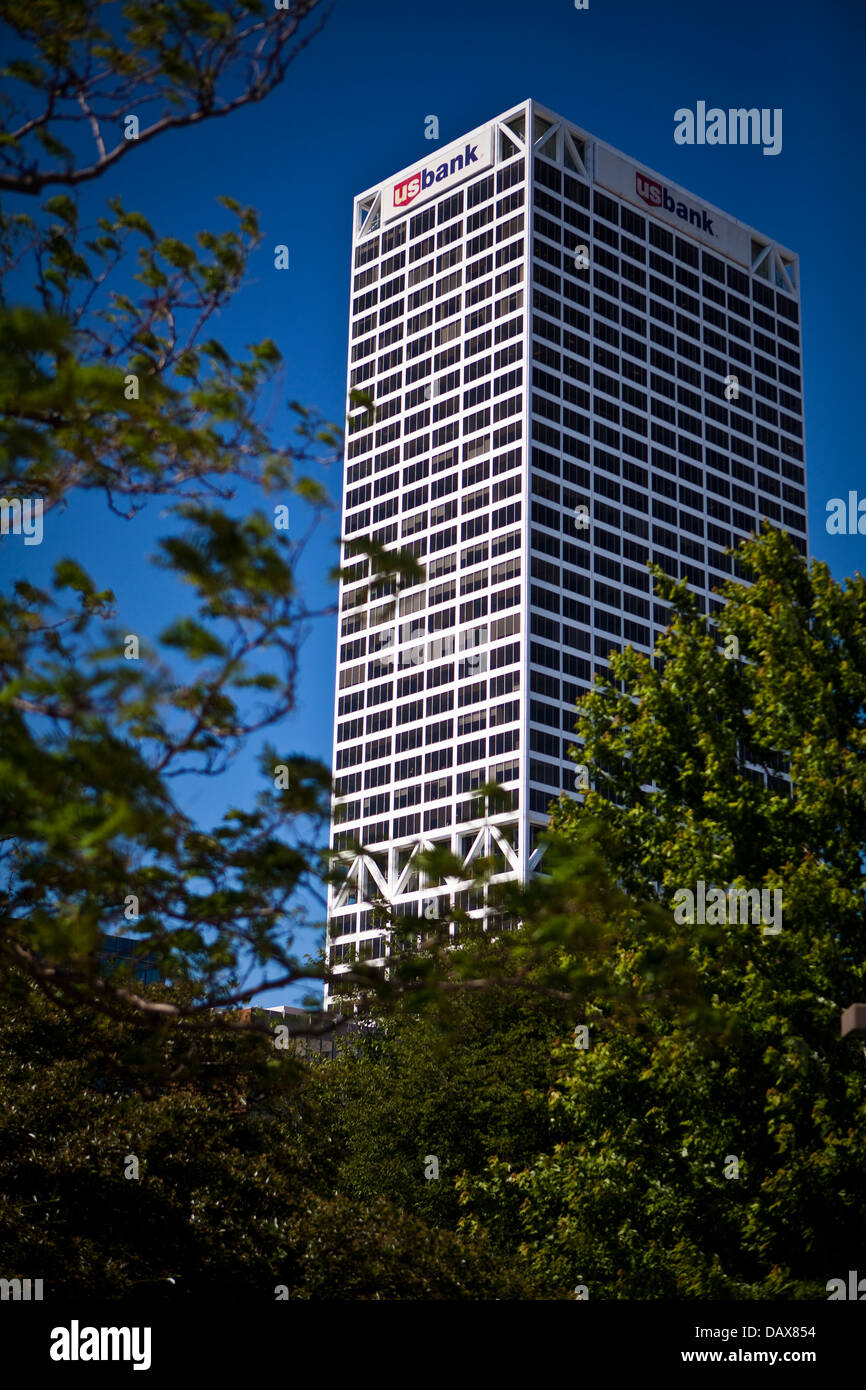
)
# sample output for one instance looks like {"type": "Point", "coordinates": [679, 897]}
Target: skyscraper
{"type": "Point", "coordinates": [577, 367]}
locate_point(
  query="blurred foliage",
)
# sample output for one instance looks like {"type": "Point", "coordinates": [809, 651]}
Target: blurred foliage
{"type": "Point", "coordinates": [111, 382]}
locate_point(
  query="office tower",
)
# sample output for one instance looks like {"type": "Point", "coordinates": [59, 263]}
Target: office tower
{"type": "Point", "coordinates": [116, 951]}
{"type": "Point", "coordinates": [577, 367]}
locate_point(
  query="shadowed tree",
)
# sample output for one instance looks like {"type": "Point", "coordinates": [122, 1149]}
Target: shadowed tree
{"type": "Point", "coordinates": [714, 1150]}
{"type": "Point", "coordinates": [185, 1179]}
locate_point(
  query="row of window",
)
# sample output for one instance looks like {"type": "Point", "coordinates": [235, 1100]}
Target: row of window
{"type": "Point", "coordinates": [719, 434]}
{"type": "Point", "coordinates": [436, 818]}
{"type": "Point", "coordinates": [445, 369]}
{"type": "Point", "coordinates": [570, 558]}
{"type": "Point", "coordinates": [467, 694]}
{"type": "Point", "coordinates": [443, 405]}
{"type": "Point", "coordinates": [428, 521]}
{"type": "Point", "coordinates": [735, 347]}
{"type": "Point", "coordinates": [729, 516]}
{"type": "Point", "coordinates": [367, 948]}
{"type": "Point", "coordinates": [661, 511]}
{"type": "Point", "coordinates": [348, 922]}
{"type": "Point", "coordinates": [552, 181]}
{"type": "Point", "coordinates": [411, 498]}
{"type": "Point", "coordinates": [445, 434]}
{"type": "Point", "coordinates": [356, 619]}
{"type": "Point", "coordinates": [436, 541]}
{"type": "Point", "coordinates": [477, 553]}
{"type": "Point", "coordinates": [541, 771]}
{"type": "Point", "coordinates": [477, 664]}
{"type": "Point", "coordinates": [411, 712]}
{"type": "Point", "coordinates": [682, 382]}
{"type": "Point", "coordinates": [609, 467]}
{"type": "Point", "coordinates": [415, 630]}
{"type": "Point", "coordinates": [444, 464]}
{"type": "Point", "coordinates": [393, 275]}
{"type": "Point", "coordinates": [447, 290]}
{"type": "Point", "coordinates": [635, 329]}
{"type": "Point", "coordinates": [472, 322]}
{"type": "Point", "coordinates": [387, 255]}
{"type": "Point", "coordinates": [507, 177]}
{"type": "Point", "coordinates": [721, 566]}
{"type": "Point", "coordinates": [400, 326]}
{"type": "Point", "coordinates": [555, 246]}
{"type": "Point", "coordinates": [547, 777]}
{"type": "Point", "coordinates": [688, 490]}
{"type": "Point", "coordinates": [610, 443]}
{"type": "Point", "coordinates": [472, 501]}
{"type": "Point", "coordinates": [559, 517]}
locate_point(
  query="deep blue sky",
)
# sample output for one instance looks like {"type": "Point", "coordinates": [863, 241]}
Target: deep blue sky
{"type": "Point", "coordinates": [352, 111]}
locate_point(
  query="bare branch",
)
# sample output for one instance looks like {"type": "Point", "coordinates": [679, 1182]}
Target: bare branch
{"type": "Point", "coordinates": [94, 125]}
{"type": "Point", "coordinates": [211, 62]}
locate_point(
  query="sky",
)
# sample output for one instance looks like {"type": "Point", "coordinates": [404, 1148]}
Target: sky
{"type": "Point", "coordinates": [353, 109]}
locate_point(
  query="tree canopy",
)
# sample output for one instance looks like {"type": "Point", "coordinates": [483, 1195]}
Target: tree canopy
{"type": "Point", "coordinates": [710, 1141]}
{"type": "Point", "coordinates": [112, 382]}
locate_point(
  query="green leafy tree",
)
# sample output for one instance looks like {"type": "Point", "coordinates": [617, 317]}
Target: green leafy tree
{"type": "Point", "coordinates": [198, 1173]}
{"type": "Point", "coordinates": [110, 383]}
{"type": "Point", "coordinates": [109, 379]}
{"type": "Point", "coordinates": [709, 1139]}
{"type": "Point", "coordinates": [453, 1077]}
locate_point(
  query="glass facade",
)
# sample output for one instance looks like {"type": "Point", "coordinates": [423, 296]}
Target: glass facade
{"type": "Point", "coordinates": [565, 387]}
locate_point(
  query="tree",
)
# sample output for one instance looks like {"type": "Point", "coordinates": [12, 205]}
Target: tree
{"type": "Point", "coordinates": [103, 388]}
{"type": "Point", "coordinates": [191, 60]}
{"type": "Point", "coordinates": [109, 382]}
{"type": "Point", "coordinates": [716, 1151]}
{"type": "Point", "coordinates": [449, 1079]}
{"type": "Point", "coordinates": [150, 1142]}
{"type": "Point", "coordinates": [189, 1178]}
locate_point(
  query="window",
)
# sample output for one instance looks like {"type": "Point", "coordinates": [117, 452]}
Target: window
{"type": "Point", "coordinates": [472, 722]}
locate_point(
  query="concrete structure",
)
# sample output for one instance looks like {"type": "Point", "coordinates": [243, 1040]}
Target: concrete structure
{"type": "Point", "coordinates": [576, 367]}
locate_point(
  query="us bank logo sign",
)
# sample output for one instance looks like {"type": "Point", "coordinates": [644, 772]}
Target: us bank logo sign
{"type": "Point", "coordinates": [444, 169]}
{"type": "Point", "coordinates": [672, 205]}
{"type": "Point", "coordinates": [655, 195]}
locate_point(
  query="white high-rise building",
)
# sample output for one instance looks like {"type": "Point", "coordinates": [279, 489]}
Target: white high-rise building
{"type": "Point", "coordinates": [577, 367]}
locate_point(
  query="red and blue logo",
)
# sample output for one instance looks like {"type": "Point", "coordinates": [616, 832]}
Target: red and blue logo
{"type": "Point", "coordinates": [655, 195]}
{"type": "Point", "coordinates": [408, 189]}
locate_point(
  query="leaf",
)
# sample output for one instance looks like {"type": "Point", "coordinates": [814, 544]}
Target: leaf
{"type": "Point", "coordinates": [62, 206]}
